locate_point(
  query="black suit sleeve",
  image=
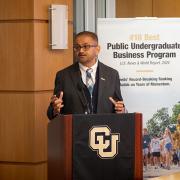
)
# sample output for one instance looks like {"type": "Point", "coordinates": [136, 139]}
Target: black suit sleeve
{"type": "Point", "coordinates": [117, 94]}
{"type": "Point", "coordinates": [58, 88]}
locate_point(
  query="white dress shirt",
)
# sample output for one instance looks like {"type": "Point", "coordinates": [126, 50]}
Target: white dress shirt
{"type": "Point", "coordinates": [83, 72]}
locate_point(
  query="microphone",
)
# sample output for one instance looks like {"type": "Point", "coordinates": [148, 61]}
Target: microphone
{"type": "Point", "coordinates": [80, 87]}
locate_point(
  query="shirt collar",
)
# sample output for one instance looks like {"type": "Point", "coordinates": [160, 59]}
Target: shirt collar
{"type": "Point", "coordinates": [84, 68]}
{"type": "Point", "coordinates": [83, 72]}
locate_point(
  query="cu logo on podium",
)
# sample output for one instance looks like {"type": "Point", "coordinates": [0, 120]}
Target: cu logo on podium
{"type": "Point", "coordinates": [104, 142]}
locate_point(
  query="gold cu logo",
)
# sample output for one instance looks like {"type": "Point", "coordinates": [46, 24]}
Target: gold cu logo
{"type": "Point", "coordinates": [103, 141]}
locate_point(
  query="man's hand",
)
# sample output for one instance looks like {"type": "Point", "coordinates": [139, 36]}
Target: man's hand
{"type": "Point", "coordinates": [118, 105]}
{"type": "Point", "coordinates": [57, 103]}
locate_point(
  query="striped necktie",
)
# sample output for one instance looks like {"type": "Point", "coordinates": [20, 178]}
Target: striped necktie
{"type": "Point", "coordinates": [89, 80]}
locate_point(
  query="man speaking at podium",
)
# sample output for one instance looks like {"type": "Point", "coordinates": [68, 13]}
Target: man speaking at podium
{"type": "Point", "coordinates": [88, 86]}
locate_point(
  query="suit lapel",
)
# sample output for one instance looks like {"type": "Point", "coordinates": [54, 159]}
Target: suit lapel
{"type": "Point", "coordinates": [76, 79]}
{"type": "Point", "coordinates": [102, 85]}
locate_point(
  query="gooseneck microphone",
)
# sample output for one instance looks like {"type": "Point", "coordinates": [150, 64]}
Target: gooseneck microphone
{"type": "Point", "coordinates": [80, 87]}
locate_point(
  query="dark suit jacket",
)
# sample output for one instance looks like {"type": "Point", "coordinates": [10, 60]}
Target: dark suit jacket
{"type": "Point", "coordinates": [68, 80]}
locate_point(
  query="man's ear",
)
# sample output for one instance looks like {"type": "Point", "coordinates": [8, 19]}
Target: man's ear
{"type": "Point", "coordinates": [98, 48]}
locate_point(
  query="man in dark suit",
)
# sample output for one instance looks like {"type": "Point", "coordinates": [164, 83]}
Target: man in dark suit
{"type": "Point", "coordinates": [88, 86]}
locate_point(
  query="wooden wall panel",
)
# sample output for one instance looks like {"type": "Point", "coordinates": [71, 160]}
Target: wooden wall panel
{"type": "Point", "coordinates": [23, 171]}
{"type": "Point", "coordinates": [17, 127]}
{"type": "Point", "coordinates": [48, 62]}
{"type": "Point", "coordinates": [17, 56]}
{"type": "Point", "coordinates": [41, 8]}
{"type": "Point", "coordinates": [16, 9]}
{"type": "Point", "coordinates": [30, 9]}
{"type": "Point", "coordinates": [133, 8]}
{"type": "Point", "coordinates": [41, 121]}
{"type": "Point", "coordinates": [23, 126]}
{"type": "Point", "coordinates": [20, 68]}
{"type": "Point", "coordinates": [166, 8]}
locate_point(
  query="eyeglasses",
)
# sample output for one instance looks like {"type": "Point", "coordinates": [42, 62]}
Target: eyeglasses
{"type": "Point", "coordinates": [85, 47]}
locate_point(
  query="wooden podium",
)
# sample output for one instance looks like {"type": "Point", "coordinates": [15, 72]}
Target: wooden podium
{"type": "Point", "coordinates": [95, 147]}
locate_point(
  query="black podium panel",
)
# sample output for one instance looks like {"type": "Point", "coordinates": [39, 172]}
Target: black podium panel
{"type": "Point", "coordinates": [94, 137]}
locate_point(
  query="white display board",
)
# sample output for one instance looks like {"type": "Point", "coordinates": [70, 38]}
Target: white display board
{"type": "Point", "coordinates": [146, 53]}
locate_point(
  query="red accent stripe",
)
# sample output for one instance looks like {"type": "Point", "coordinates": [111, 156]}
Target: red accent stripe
{"type": "Point", "coordinates": [68, 146]}
{"type": "Point", "coordinates": [138, 174]}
